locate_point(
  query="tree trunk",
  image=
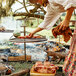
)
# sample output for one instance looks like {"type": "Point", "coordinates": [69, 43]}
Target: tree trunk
{"type": "Point", "coordinates": [29, 15]}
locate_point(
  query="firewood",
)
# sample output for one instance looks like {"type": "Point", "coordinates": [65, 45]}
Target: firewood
{"type": "Point", "coordinates": [20, 73]}
{"type": "Point", "coordinates": [56, 54]}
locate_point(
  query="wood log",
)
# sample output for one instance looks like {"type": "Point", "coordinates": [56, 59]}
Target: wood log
{"type": "Point", "coordinates": [20, 73]}
{"type": "Point", "coordinates": [2, 67]}
{"type": "Point", "coordinates": [19, 58]}
{"type": "Point", "coordinates": [56, 54]}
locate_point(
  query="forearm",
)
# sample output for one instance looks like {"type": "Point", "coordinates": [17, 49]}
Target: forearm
{"type": "Point", "coordinates": [37, 30]}
{"type": "Point", "coordinates": [69, 14]}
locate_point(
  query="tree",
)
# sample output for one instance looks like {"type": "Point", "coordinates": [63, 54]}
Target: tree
{"type": "Point", "coordinates": [5, 7]}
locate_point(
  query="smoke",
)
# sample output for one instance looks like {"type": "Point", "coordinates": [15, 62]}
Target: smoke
{"type": "Point", "coordinates": [10, 23]}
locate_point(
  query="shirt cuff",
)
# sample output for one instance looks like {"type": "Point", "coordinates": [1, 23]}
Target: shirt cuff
{"type": "Point", "coordinates": [68, 6]}
{"type": "Point", "coordinates": [42, 25]}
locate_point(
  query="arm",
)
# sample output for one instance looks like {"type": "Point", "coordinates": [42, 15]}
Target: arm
{"type": "Point", "coordinates": [65, 22]}
{"type": "Point", "coordinates": [45, 24]}
{"type": "Point", "coordinates": [37, 30]}
{"type": "Point", "coordinates": [69, 13]}
{"type": "Point", "coordinates": [50, 18]}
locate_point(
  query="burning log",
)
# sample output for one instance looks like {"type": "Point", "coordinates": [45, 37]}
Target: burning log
{"type": "Point", "coordinates": [20, 73]}
{"type": "Point", "coordinates": [56, 54]}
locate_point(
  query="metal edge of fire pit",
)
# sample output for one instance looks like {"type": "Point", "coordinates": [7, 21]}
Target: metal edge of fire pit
{"type": "Point", "coordinates": [27, 40]}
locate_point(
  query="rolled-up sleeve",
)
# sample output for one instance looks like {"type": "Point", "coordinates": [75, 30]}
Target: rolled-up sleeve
{"type": "Point", "coordinates": [69, 3]}
{"type": "Point", "coordinates": [49, 20]}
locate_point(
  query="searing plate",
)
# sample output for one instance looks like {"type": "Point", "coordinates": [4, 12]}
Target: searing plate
{"type": "Point", "coordinates": [28, 40]}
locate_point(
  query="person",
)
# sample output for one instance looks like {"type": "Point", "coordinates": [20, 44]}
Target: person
{"type": "Point", "coordinates": [69, 67]}
{"type": "Point", "coordinates": [55, 8]}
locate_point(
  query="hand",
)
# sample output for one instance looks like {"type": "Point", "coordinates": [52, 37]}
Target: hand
{"type": "Point", "coordinates": [64, 25]}
{"type": "Point", "coordinates": [30, 35]}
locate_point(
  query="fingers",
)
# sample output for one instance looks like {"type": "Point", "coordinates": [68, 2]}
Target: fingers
{"type": "Point", "coordinates": [63, 27]}
{"type": "Point", "coordinates": [30, 35]}
{"type": "Point", "coordinates": [60, 27]}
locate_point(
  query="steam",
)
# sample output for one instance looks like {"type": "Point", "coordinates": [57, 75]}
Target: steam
{"type": "Point", "coordinates": [10, 23]}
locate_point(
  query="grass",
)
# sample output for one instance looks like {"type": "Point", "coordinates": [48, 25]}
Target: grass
{"type": "Point", "coordinates": [18, 66]}
{"type": "Point", "coordinates": [21, 65]}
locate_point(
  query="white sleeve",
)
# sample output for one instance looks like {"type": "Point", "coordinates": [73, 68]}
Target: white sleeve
{"type": "Point", "coordinates": [49, 20]}
{"type": "Point", "coordinates": [69, 3]}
